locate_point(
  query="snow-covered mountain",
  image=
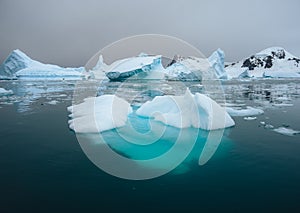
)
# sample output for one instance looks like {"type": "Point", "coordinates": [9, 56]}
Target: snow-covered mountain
{"type": "Point", "coordinates": [19, 65]}
{"type": "Point", "coordinates": [274, 62]}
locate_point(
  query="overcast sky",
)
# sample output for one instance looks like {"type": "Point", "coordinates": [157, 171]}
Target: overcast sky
{"type": "Point", "coordinates": [69, 32]}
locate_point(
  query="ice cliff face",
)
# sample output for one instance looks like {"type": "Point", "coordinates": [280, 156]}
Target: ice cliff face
{"type": "Point", "coordinates": [19, 65]}
{"type": "Point", "coordinates": [271, 62]}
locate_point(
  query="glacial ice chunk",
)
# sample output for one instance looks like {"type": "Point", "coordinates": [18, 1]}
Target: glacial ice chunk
{"type": "Point", "coordinates": [188, 110]}
{"type": "Point", "coordinates": [286, 131]}
{"type": "Point", "coordinates": [128, 67]}
{"type": "Point", "coordinates": [4, 92]}
{"type": "Point", "coordinates": [250, 118]}
{"type": "Point", "coordinates": [98, 114]}
{"type": "Point", "coordinates": [18, 64]}
{"type": "Point", "coordinates": [216, 60]}
{"type": "Point", "coordinates": [249, 111]}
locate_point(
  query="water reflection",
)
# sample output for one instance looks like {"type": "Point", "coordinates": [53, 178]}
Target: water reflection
{"type": "Point", "coordinates": [272, 93]}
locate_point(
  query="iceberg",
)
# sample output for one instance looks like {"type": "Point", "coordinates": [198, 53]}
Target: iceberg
{"type": "Point", "coordinates": [98, 114]}
{"type": "Point", "coordinates": [193, 68]}
{"type": "Point", "coordinates": [150, 67]}
{"type": "Point", "coordinates": [286, 131]}
{"type": "Point", "coordinates": [248, 111]}
{"type": "Point", "coordinates": [125, 68]}
{"type": "Point", "coordinates": [250, 118]}
{"type": "Point", "coordinates": [4, 92]}
{"type": "Point", "coordinates": [19, 65]}
{"type": "Point", "coordinates": [216, 61]}
{"type": "Point", "coordinates": [188, 110]}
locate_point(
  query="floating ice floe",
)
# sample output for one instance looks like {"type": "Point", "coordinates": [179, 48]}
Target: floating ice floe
{"type": "Point", "coordinates": [250, 118]}
{"type": "Point", "coordinates": [98, 114]}
{"type": "Point", "coordinates": [188, 110]}
{"type": "Point", "coordinates": [19, 65]}
{"type": "Point", "coordinates": [53, 102]}
{"type": "Point", "coordinates": [107, 112]}
{"type": "Point", "coordinates": [4, 92]}
{"type": "Point", "coordinates": [286, 131]}
{"type": "Point", "coordinates": [282, 104]}
{"type": "Point", "coordinates": [249, 111]}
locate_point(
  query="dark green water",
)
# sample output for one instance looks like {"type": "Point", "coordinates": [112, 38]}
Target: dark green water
{"type": "Point", "coordinates": [43, 168]}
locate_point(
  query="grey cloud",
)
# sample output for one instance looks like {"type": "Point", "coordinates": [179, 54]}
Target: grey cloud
{"type": "Point", "coordinates": [69, 32]}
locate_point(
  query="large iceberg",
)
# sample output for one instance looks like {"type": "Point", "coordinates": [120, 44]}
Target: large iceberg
{"type": "Point", "coordinates": [216, 60]}
{"type": "Point", "coordinates": [19, 65]}
{"type": "Point", "coordinates": [273, 62]}
{"type": "Point", "coordinates": [150, 67]}
{"type": "Point", "coordinates": [188, 110]}
{"type": "Point", "coordinates": [127, 67]}
{"type": "Point", "coordinates": [98, 114]}
{"type": "Point", "coordinates": [193, 68]}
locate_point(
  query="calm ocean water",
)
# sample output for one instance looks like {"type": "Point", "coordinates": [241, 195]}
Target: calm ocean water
{"type": "Point", "coordinates": [254, 169]}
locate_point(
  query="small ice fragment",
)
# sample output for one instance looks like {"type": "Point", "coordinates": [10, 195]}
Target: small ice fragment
{"type": "Point", "coordinates": [4, 92]}
{"type": "Point", "coordinates": [283, 99]}
{"type": "Point", "coordinates": [283, 105]}
{"type": "Point", "coordinates": [54, 102]}
{"type": "Point", "coordinates": [249, 111]}
{"type": "Point", "coordinates": [250, 118]}
{"type": "Point", "coordinates": [286, 131]}
{"type": "Point", "coordinates": [269, 126]}
{"type": "Point", "coordinates": [263, 123]}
